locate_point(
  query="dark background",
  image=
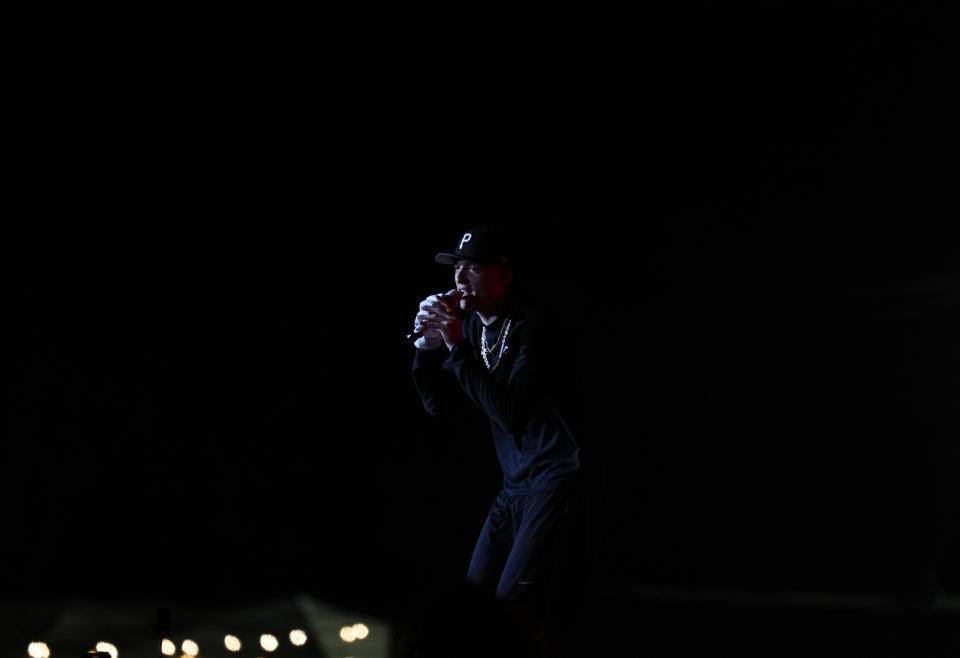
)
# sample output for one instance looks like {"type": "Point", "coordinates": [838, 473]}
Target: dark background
{"type": "Point", "coordinates": [220, 237]}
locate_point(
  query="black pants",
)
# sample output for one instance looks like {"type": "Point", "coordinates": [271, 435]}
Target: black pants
{"type": "Point", "coordinates": [533, 553]}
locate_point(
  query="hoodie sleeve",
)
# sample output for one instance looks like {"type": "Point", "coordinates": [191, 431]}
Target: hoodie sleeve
{"type": "Point", "coordinates": [436, 383]}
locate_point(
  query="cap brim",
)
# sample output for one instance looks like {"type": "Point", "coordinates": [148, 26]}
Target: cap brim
{"type": "Point", "coordinates": [452, 259]}
{"type": "Point", "coordinates": [448, 259]}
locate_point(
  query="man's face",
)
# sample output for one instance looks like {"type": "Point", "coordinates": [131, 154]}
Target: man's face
{"type": "Point", "coordinates": [483, 286]}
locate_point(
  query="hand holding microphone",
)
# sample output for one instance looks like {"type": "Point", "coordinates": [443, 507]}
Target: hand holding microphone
{"type": "Point", "coordinates": [438, 321]}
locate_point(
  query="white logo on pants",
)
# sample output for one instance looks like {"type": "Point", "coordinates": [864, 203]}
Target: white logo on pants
{"type": "Point", "coordinates": [465, 239]}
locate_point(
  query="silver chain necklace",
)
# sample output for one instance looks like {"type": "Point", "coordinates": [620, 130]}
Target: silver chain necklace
{"type": "Point", "coordinates": [501, 341]}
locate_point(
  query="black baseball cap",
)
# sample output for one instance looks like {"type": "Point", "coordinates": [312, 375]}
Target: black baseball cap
{"type": "Point", "coordinates": [484, 245]}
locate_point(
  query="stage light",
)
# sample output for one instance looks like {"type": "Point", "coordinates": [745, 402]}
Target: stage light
{"type": "Point", "coordinates": [109, 648]}
{"type": "Point", "coordinates": [38, 650]}
{"type": "Point", "coordinates": [347, 634]}
{"type": "Point", "coordinates": [360, 631]}
{"type": "Point", "coordinates": [298, 638]}
{"type": "Point", "coordinates": [167, 648]}
{"type": "Point", "coordinates": [190, 648]}
{"type": "Point", "coordinates": [269, 642]}
{"type": "Point", "coordinates": [232, 643]}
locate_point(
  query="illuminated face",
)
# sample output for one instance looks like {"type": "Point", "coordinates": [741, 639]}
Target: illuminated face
{"type": "Point", "coordinates": [483, 286]}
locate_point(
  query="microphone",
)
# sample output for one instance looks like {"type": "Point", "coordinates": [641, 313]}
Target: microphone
{"type": "Point", "coordinates": [412, 337]}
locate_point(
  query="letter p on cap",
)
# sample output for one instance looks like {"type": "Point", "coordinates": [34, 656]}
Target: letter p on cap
{"type": "Point", "coordinates": [465, 239]}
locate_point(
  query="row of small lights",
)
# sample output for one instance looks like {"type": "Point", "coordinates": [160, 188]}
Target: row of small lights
{"type": "Point", "coordinates": [268, 643]}
{"type": "Point", "coordinates": [232, 643]}
{"type": "Point", "coordinates": [41, 650]}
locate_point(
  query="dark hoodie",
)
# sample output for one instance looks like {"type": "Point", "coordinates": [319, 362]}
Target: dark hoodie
{"type": "Point", "coordinates": [529, 403]}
